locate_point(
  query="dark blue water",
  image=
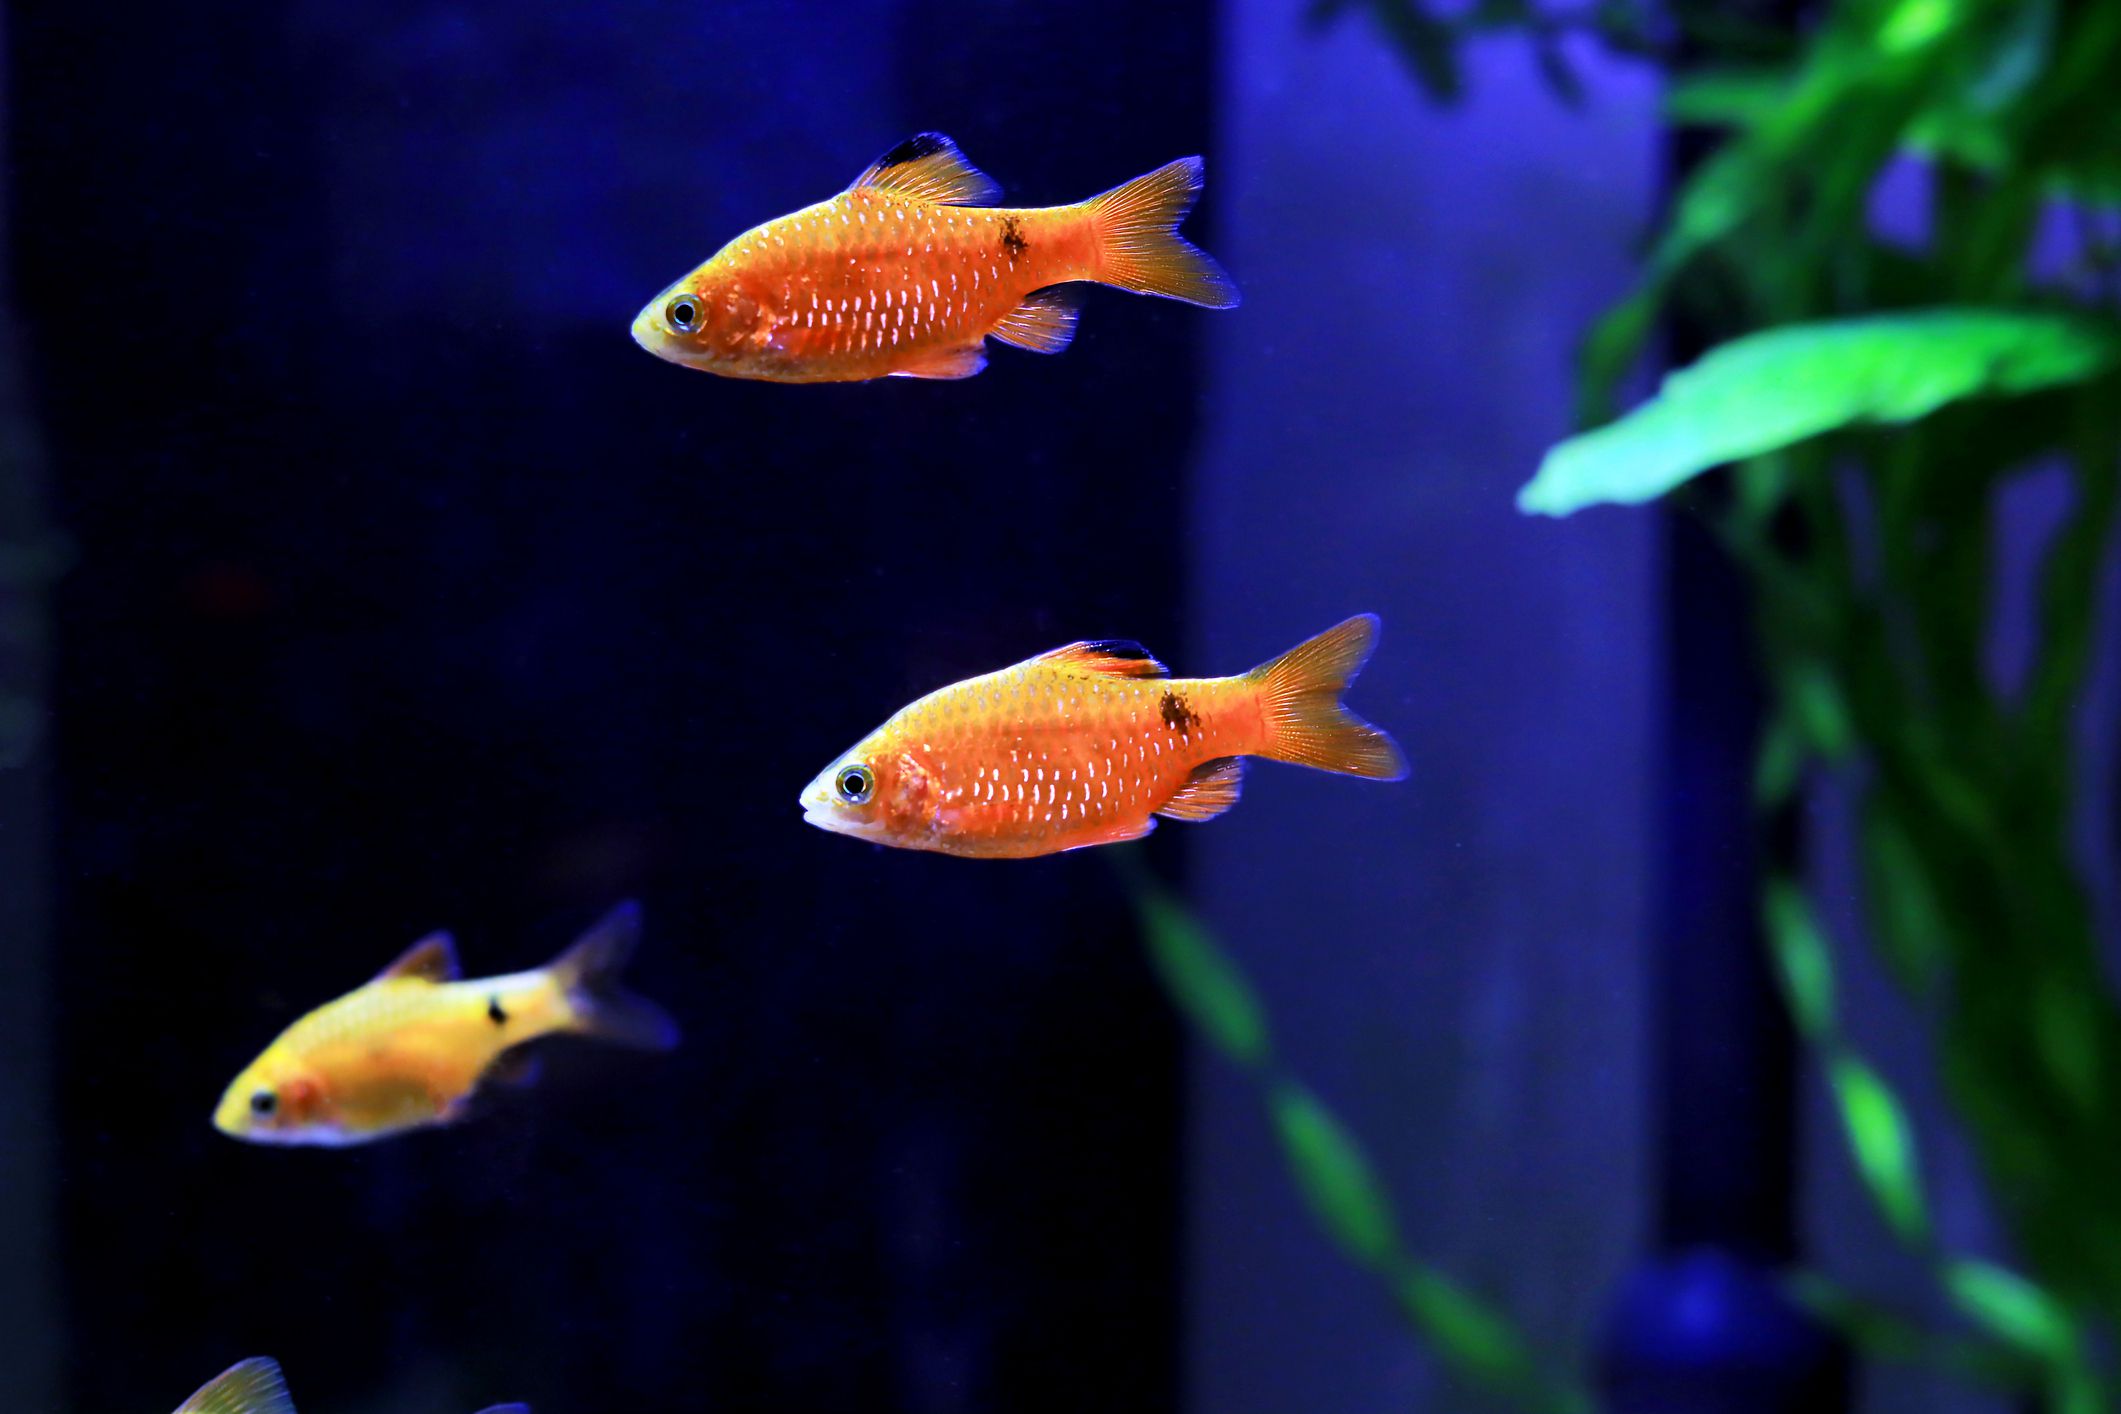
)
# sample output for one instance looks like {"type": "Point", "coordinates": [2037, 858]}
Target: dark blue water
{"type": "Point", "coordinates": [402, 591]}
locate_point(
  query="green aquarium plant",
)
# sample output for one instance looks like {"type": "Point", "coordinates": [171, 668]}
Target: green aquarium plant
{"type": "Point", "coordinates": [1331, 1169]}
{"type": "Point", "coordinates": [1863, 407]}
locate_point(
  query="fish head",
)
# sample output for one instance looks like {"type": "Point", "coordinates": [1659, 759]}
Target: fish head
{"type": "Point", "coordinates": [276, 1100]}
{"type": "Point", "coordinates": [877, 792]}
{"type": "Point", "coordinates": [707, 320]}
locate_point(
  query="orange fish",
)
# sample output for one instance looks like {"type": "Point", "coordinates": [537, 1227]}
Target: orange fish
{"type": "Point", "coordinates": [412, 1047]}
{"type": "Point", "coordinates": [1089, 743]}
{"type": "Point", "coordinates": [910, 270]}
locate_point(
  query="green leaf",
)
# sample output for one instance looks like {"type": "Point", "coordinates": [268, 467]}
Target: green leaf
{"type": "Point", "coordinates": [1478, 1343]}
{"type": "Point", "coordinates": [1773, 389]}
{"type": "Point", "coordinates": [1882, 1334]}
{"type": "Point", "coordinates": [1334, 1175]}
{"type": "Point", "coordinates": [1816, 701]}
{"type": "Point", "coordinates": [1885, 1148]}
{"type": "Point", "coordinates": [1425, 44]}
{"type": "Point", "coordinates": [2013, 1310]}
{"type": "Point", "coordinates": [1202, 981]}
{"type": "Point", "coordinates": [1725, 98]}
{"type": "Point", "coordinates": [1909, 923]}
{"type": "Point", "coordinates": [1778, 769]}
{"type": "Point", "coordinates": [1801, 955]}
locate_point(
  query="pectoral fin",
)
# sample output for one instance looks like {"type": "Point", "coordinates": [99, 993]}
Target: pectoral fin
{"type": "Point", "coordinates": [1044, 323]}
{"type": "Point", "coordinates": [1211, 789]}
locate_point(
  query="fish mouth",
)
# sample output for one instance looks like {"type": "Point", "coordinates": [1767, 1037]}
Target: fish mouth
{"type": "Point", "coordinates": [822, 809]}
{"type": "Point", "coordinates": [645, 332]}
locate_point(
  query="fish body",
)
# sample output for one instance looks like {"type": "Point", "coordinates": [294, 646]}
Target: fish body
{"type": "Point", "coordinates": [257, 1387]}
{"type": "Point", "coordinates": [412, 1047]}
{"type": "Point", "coordinates": [910, 270]}
{"type": "Point", "coordinates": [1090, 743]}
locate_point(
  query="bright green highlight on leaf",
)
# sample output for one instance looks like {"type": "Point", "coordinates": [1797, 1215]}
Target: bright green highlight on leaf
{"type": "Point", "coordinates": [1800, 952]}
{"type": "Point", "coordinates": [1203, 982]}
{"type": "Point", "coordinates": [1335, 1176]}
{"type": "Point", "coordinates": [1773, 389]}
{"type": "Point", "coordinates": [1885, 1152]}
{"type": "Point", "coordinates": [2012, 1309]}
{"type": "Point", "coordinates": [1915, 23]}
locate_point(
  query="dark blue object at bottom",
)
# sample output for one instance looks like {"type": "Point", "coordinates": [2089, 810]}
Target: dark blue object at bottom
{"type": "Point", "coordinates": [1706, 1332]}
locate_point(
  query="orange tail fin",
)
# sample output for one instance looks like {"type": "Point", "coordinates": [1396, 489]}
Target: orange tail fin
{"type": "Point", "coordinates": [1300, 701]}
{"type": "Point", "coordinates": [1139, 247]}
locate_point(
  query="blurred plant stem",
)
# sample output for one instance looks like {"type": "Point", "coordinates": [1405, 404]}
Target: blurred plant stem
{"type": "Point", "coordinates": [1328, 1164]}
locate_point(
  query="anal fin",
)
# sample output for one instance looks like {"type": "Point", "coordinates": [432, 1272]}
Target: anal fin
{"type": "Point", "coordinates": [944, 363]}
{"type": "Point", "coordinates": [517, 1069]}
{"type": "Point", "coordinates": [1117, 834]}
{"type": "Point", "coordinates": [1043, 323]}
{"type": "Point", "coordinates": [1212, 788]}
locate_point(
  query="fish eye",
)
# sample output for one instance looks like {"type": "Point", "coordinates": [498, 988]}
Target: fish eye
{"type": "Point", "coordinates": [264, 1102]}
{"type": "Point", "coordinates": [683, 312]}
{"type": "Point", "coordinates": [856, 785]}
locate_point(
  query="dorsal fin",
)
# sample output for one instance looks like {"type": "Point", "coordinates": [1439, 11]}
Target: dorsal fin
{"type": "Point", "coordinates": [253, 1387]}
{"type": "Point", "coordinates": [1121, 657]}
{"type": "Point", "coordinates": [1211, 789]}
{"type": "Point", "coordinates": [432, 959]}
{"type": "Point", "coordinates": [928, 167]}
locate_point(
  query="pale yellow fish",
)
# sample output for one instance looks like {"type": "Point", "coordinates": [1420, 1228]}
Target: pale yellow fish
{"type": "Point", "coordinates": [412, 1047]}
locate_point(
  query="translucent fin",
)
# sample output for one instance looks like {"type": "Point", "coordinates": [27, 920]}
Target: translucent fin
{"type": "Point", "coordinates": [1121, 657]}
{"type": "Point", "coordinates": [1300, 703]}
{"type": "Point", "coordinates": [1211, 789]}
{"type": "Point", "coordinates": [252, 1387]}
{"type": "Point", "coordinates": [1044, 323]}
{"type": "Point", "coordinates": [1118, 834]}
{"type": "Point", "coordinates": [1140, 248]}
{"type": "Point", "coordinates": [928, 167]}
{"type": "Point", "coordinates": [518, 1070]}
{"type": "Point", "coordinates": [588, 974]}
{"type": "Point", "coordinates": [432, 959]}
{"type": "Point", "coordinates": [945, 363]}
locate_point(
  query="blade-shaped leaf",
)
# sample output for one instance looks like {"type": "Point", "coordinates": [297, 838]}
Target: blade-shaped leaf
{"type": "Point", "coordinates": [1885, 1148]}
{"type": "Point", "coordinates": [1772, 389]}
{"type": "Point", "coordinates": [1202, 981]}
{"type": "Point", "coordinates": [2013, 1309]}
{"type": "Point", "coordinates": [1801, 954]}
{"type": "Point", "coordinates": [1336, 1178]}
{"type": "Point", "coordinates": [1478, 1342]}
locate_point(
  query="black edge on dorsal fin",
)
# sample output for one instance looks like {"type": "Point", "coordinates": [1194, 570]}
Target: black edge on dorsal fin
{"type": "Point", "coordinates": [433, 959]}
{"type": "Point", "coordinates": [1121, 657]}
{"type": "Point", "coordinates": [928, 167]}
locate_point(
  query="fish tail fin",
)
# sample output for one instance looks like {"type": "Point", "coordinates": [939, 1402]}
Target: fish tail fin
{"type": "Point", "coordinates": [252, 1387]}
{"type": "Point", "coordinates": [1306, 724]}
{"type": "Point", "coordinates": [1138, 244]}
{"type": "Point", "coordinates": [587, 975]}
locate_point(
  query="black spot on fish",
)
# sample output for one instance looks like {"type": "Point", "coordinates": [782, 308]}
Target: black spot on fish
{"type": "Point", "coordinates": [494, 1013]}
{"type": "Point", "coordinates": [1012, 238]}
{"type": "Point", "coordinates": [1177, 715]}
